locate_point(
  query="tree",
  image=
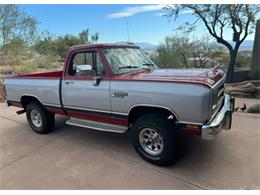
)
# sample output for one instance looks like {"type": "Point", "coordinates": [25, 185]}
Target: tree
{"type": "Point", "coordinates": [62, 43]}
{"type": "Point", "coordinates": [204, 54]}
{"type": "Point", "coordinates": [218, 18]}
{"type": "Point", "coordinates": [170, 55]}
{"type": "Point", "coordinates": [15, 23]}
{"type": "Point", "coordinates": [45, 44]}
{"type": "Point", "coordinates": [84, 36]}
{"type": "Point", "coordinates": [256, 49]}
{"type": "Point", "coordinates": [48, 44]}
{"type": "Point", "coordinates": [95, 37]}
{"type": "Point", "coordinates": [182, 51]}
{"type": "Point", "coordinates": [181, 46]}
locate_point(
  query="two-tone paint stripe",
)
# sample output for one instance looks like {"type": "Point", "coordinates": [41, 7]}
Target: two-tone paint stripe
{"type": "Point", "coordinates": [88, 114]}
{"type": "Point", "coordinates": [101, 112]}
{"type": "Point", "coordinates": [98, 115]}
{"type": "Point", "coordinates": [102, 116]}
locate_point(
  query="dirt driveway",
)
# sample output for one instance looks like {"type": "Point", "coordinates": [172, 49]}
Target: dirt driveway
{"type": "Point", "coordinates": [77, 158]}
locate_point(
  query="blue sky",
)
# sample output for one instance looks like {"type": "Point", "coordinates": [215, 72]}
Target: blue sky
{"type": "Point", "coordinates": [145, 21]}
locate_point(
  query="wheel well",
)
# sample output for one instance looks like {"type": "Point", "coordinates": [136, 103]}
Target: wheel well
{"type": "Point", "coordinates": [25, 100]}
{"type": "Point", "coordinates": [138, 111]}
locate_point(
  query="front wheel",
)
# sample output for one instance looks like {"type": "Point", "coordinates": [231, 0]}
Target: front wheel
{"type": "Point", "coordinates": [39, 119]}
{"type": "Point", "coordinates": [155, 139]}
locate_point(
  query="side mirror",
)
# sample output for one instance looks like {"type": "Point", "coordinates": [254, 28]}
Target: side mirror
{"type": "Point", "coordinates": [96, 80]}
{"type": "Point", "coordinates": [84, 69]}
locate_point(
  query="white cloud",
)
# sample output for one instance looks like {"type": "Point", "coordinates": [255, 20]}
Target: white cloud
{"type": "Point", "coordinates": [159, 14]}
{"type": "Point", "coordinates": [181, 13]}
{"type": "Point", "coordinates": [130, 11]}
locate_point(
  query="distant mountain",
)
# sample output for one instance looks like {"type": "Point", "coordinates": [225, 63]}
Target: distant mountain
{"type": "Point", "coordinates": [247, 45]}
{"type": "Point", "coordinates": [143, 45]}
{"type": "Point", "coordinates": [146, 45]}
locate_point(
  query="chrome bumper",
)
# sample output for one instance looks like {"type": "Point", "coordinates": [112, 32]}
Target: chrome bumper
{"type": "Point", "coordinates": [222, 120]}
{"type": "Point", "coordinates": [6, 103]}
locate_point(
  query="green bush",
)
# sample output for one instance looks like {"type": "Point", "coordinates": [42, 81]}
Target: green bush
{"type": "Point", "coordinates": [254, 109]}
{"type": "Point", "coordinates": [243, 61]}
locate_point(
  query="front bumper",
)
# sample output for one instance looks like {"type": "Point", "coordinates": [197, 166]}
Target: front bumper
{"type": "Point", "coordinates": [222, 120]}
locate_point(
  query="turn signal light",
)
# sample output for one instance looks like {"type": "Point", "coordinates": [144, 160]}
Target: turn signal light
{"type": "Point", "coordinates": [193, 126]}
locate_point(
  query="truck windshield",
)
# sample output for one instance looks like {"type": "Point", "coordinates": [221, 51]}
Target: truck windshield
{"type": "Point", "coordinates": [123, 60]}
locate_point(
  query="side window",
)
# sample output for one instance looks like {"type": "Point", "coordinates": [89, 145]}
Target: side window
{"type": "Point", "coordinates": [86, 64]}
{"type": "Point", "coordinates": [100, 67]}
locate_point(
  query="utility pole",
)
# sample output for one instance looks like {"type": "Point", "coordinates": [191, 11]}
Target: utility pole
{"type": "Point", "coordinates": [255, 66]}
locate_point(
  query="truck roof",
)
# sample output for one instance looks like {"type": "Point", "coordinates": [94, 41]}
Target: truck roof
{"type": "Point", "coordinates": [76, 47]}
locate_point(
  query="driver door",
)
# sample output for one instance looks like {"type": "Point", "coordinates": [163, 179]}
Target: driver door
{"type": "Point", "coordinates": [81, 97]}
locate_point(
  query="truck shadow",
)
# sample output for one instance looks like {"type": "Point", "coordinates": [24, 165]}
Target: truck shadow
{"type": "Point", "coordinates": [199, 153]}
{"type": "Point", "coordinates": [198, 162]}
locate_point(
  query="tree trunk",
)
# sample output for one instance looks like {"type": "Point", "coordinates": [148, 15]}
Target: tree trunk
{"type": "Point", "coordinates": [184, 60]}
{"type": "Point", "coordinates": [256, 50]}
{"type": "Point", "coordinates": [231, 66]}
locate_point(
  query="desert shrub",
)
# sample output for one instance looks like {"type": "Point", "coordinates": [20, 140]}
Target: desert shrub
{"type": "Point", "coordinates": [6, 70]}
{"type": "Point", "coordinates": [26, 69]}
{"type": "Point", "coordinates": [46, 45]}
{"type": "Point", "coordinates": [243, 61]}
{"type": "Point", "coordinates": [254, 109]}
{"type": "Point", "coordinates": [46, 61]}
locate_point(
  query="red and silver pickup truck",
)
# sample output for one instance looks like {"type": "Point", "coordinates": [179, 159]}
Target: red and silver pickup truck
{"type": "Point", "coordinates": [117, 88]}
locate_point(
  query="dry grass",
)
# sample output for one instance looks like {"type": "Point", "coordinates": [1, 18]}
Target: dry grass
{"type": "Point", "coordinates": [5, 68]}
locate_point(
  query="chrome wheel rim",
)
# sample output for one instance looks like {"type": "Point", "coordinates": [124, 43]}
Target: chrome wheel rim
{"type": "Point", "coordinates": [36, 118]}
{"type": "Point", "coordinates": [151, 141]}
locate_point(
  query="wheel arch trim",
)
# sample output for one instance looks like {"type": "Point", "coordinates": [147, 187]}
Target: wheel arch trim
{"type": "Point", "coordinates": [153, 106]}
{"type": "Point", "coordinates": [29, 95]}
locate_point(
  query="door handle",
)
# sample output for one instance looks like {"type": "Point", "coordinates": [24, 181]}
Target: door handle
{"type": "Point", "coordinates": [119, 94]}
{"type": "Point", "coordinates": [69, 82]}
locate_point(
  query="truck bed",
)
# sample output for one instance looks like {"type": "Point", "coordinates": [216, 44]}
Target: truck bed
{"type": "Point", "coordinates": [43, 86]}
{"type": "Point", "coordinates": [51, 75]}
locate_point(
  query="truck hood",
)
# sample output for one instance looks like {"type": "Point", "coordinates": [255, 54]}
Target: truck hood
{"type": "Point", "coordinates": [201, 76]}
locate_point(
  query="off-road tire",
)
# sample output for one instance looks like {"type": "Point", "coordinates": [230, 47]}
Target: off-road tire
{"type": "Point", "coordinates": [169, 135]}
{"type": "Point", "coordinates": [47, 119]}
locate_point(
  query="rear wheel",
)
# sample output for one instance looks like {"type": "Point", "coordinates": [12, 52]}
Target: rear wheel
{"type": "Point", "coordinates": [155, 138]}
{"type": "Point", "coordinates": [39, 119]}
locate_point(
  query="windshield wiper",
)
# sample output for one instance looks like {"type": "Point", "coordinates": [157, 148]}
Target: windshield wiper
{"type": "Point", "coordinates": [128, 67]}
{"type": "Point", "coordinates": [147, 69]}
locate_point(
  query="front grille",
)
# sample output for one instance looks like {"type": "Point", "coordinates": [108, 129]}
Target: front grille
{"type": "Point", "coordinates": [218, 97]}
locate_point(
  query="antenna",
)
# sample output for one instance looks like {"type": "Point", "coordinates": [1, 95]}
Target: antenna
{"type": "Point", "coordinates": [127, 31]}
{"type": "Point", "coordinates": [128, 37]}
